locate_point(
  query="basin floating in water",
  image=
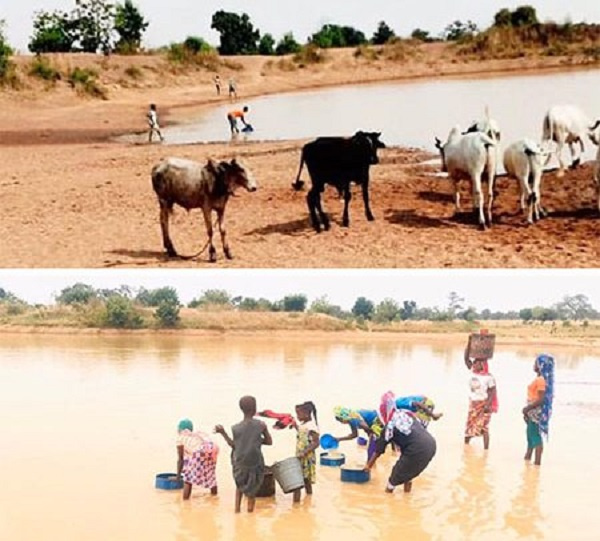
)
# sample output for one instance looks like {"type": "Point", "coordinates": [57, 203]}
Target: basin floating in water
{"type": "Point", "coordinates": [288, 473]}
{"type": "Point", "coordinates": [168, 481]}
{"type": "Point", "coordinates": [354, 475]}
{"type": "Point", "coordinates": [361, 441]}
{"type": "Point", "coordinates": [332, 459]}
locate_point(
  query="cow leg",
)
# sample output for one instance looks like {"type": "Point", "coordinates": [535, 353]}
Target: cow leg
{"type": "Point", "coordinates": [347, 198]}
{"type": "Point", "coordinates": [322, 213]}
{"type": "Point", "coordinates": [365, 194]}
{"type": "Point", "coordinates": [490, 200]}
{"type": "Point", "coordinates": [212, 253]}
{"type": "Point", "coordinates": [597, 176]}
{"type": "Point", "coordinates": [223, 232]}
{"type": "Point", "coordinates": [312, 208]}
{"type": "Point", "coordinates": [561, 164]}
{"type": "Point", "coordinates": [456, 197]}
{"type": "Point", "coordinates": [574, 161]}
{"type": "Point", "coordinates": [165, 211]}
{"type": "Point", "coordinates": [478, 200]}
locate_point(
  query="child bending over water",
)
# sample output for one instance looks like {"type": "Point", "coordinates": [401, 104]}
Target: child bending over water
{"type": "Point", "coordinates": [248, 463]}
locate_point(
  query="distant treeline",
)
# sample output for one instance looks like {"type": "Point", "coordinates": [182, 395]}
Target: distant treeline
{"type": "Point", "coordinates": [125, 307]}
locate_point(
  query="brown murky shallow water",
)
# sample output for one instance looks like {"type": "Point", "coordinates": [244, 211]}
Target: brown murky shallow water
{"type": "Point", "coordinates": [87, 422]}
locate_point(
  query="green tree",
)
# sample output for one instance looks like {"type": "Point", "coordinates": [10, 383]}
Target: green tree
{"type": "Point", "coordinates": [167, 314]}
{"type": "Point", "coordinates": [287, 45]}
{"type": "Point", "coordinates": [321, 305]}
{"type": "Point", "coordinates": [408, 310]}
{"type": "Point", "coordinates": [386, 311]}
{"type": "Point", "coordinates": [363, 307]}
{"type": "Point", "coordinates": [455, 303]}
{"type": "Point", "coordinates": [526, 314]}
{"type": "Point", "coordinates": [266, 46]}
{"type": "Point", "coordinates": [76, 294]}
{"type": "Point", "coordinates": [575, 307]}
{"type": "Point", "coordinates": [212, 296]}
{"type": "Point", "coordinates": [94, 20]}
{"type": "Point", "coordinates": [238, 36]}
{"type": "Point", "coordinates": [458, 30]}
{"type": "Point", "coordinates": [524, 16]}
{"type": "Point", "coordinates": [5, 54]}
{"type": "Point", "coordinates": [196, 44]}
{"type": "Point", "coordinates": [421, 35]}
{"type": "Point", "coordinates": [53, 32]}
{"type": "Point", "coordinates": [294, 303]}
{"type": "Point", "coordinates": [156, 297]}
{"type": "Point", "coordinates": [121, 313]}
{"type": "Point", "coordinates": [383, 34]}
{"type": "Point", "coordinates": [333, 35]}
{"type": "Point", "coordinates": [130, 25]}
{"type": "Point", "coordinates": [503, 17]}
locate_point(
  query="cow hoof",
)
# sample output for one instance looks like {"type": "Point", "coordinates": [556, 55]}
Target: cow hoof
{"type": "Point", "coordinates": [228, 254]}
{"type": "Point", "coordinates": [575, 163]}
{"type": "Point", "coordinates": [326, 226]}
{"type": "Point", "coordinates": [370, 217]}
{"type": "Point", "coordinates": [172, 253]}
{"type": "Point", "coordinates": [345, 224]}
{"type": "Point", "coordinates": [298, 185]}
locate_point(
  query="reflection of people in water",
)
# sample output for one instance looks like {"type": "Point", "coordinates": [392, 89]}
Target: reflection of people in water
{"type": "Point", "coordinates": [537, 412]}
{"type": "Point", "coordinates": [524, 516]}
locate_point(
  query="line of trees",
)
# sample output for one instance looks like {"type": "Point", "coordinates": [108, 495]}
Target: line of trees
{"type": "Point", "coordinates": [101, 26]}
{"type": "Point", "coordinates": [122, 306]}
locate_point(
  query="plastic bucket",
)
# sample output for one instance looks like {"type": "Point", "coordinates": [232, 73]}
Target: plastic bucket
{"type": "Point", "coordinates": [288, 473]}
{"type": "Point", "coordinates": [267, 489]}
{"type": "Point", "coordinates": [168, 481]}
{"type": "Point", "coordinates": [362, 441]}
{"type": "Point", "coordinates": [353, 475]}
{"type": "Point", "coordinates": [327, 441]}
{"type": "Point", "coordinates": [329, 459]}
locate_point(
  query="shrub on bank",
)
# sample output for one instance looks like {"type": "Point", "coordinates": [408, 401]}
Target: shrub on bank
{"type": "Point", "coordinates": [84, 81]}
{"type": "Point", "coordinates": [42, 68]}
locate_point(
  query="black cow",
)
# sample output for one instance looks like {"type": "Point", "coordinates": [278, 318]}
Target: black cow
{"type": "Point", "coordinates": [338, 161]}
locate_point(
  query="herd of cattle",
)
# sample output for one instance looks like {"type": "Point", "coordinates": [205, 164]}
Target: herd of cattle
{"type": "Point", "coordinates": [339, 161]}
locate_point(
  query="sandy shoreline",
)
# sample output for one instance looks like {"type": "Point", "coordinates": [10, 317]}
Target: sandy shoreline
{"type": "Point", "coordinates": [75, 199]}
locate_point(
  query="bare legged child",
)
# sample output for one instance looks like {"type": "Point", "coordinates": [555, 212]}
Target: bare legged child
{"type": "Point", "coordinates": [248, 436]}
{"type": "Point", "coordinates": [307, 441]}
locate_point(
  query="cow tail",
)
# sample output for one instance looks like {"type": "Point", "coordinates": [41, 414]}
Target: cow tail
{"type": "Point", "coordinates": [299, 183]}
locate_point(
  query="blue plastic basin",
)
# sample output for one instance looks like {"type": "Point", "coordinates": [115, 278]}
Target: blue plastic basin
{"type": "Point", "coordinates": [362, 441]}
{"type": "Point", "coordinates": [349, 475]}
{"type": "Point", "coordinates": [327, 460]}
{"type": "Point", "coordinates": [165, 481]}
{"type": "Point", "coordinates": [329, 442]}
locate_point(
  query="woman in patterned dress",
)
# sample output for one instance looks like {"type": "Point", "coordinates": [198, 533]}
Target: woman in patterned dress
{"type": "Point", "coordinates": [196, 459]}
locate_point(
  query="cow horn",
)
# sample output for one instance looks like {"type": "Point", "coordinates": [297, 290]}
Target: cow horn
{"type": "Point", "coordinates": [595, 125]}
{"type": "Point", "coordinates": [438, 143]}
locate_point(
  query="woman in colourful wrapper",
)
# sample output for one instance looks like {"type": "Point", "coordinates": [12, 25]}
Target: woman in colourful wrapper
{"type": "Point", "coordinates": [366, 420]}
{"type": "Point", "coordinates": [537, 412]}
{"type": "Point", "coordinates": [483, 400]}
{"type": "Point", "coordinates": [196, 459]}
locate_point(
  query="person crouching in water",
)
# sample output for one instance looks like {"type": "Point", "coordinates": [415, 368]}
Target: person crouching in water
{"type": "Point", "coordinates": [233, 116]}
{"type": "Point", "coordinates": [248, 463]}
{"type": "Point", "coordinates": [416, 444]}
{"type": "Point", "coordinates": [540, 395]}
{"type": "Point", "coordinates": [153, 125]}
{"type": "Point", "coordinates": [196, 459]}
{"type": "Point", "coordinates": [307, 441]}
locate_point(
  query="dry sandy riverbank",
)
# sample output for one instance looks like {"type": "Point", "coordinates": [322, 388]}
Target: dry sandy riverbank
{"type": "Point", "coordinates": [73, 198]}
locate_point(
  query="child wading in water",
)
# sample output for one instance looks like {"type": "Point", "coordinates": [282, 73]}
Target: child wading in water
{"type": "Point", "coordinates": [248, 463]}
{"type": "Point", "coordinates": [307, 440]}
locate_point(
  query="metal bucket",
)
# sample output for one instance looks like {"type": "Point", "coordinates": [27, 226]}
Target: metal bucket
{"type": "Point", "coordinates": [288, 473]}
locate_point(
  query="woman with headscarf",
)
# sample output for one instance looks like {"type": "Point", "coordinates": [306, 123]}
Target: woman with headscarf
{"type": "Point", "coordinates": [196, 459]}
{"type": "Point", "coordinates": [483, 400]}
{"type": "Point", "coordinates": [416, 444]}
{"type": "Point", "coordinates": [366, 420]}
{"type": "Point", "coordinates": [537, 412]}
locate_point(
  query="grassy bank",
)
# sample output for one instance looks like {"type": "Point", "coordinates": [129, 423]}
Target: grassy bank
{"type": "Point", "coordinates": [76, 319]}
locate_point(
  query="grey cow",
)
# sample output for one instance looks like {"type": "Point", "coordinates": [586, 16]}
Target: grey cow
{"type": "Point", "coordinates": [190, 184]}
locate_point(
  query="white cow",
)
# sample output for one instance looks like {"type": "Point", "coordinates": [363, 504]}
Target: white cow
{"type": "Point", "coordinates": [568, 124]}
{"type": "Point", "coordinates": [597, 165]}
{"type": "Point", "coordinates": [487, 125]}
{"type": "Point", "coordinates": [524, 160]}
{"type": "Point", "coordinates": [469, 156]}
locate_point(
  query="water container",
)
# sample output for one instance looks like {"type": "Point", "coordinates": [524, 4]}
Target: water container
{"type": "Point", "coordinates": [267, 489]}
{"type": "Point", "coordinates": [332, 459]}
{"type": "Point", "coordinates": [168, 481]}
{"type": "Point", "coordinates": [362, 441]}
{"type": "Point", "coordinates": [354, 475]}
{"type": "Point", "coordinates": [327, 441]}
{"type": "Point", "coordinates": [288, 473]}
{"type": "Point", "coordinates": [481, 346]}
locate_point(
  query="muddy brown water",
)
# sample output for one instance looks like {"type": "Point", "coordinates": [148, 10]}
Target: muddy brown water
{"type": "Point", "coordinates": [408, 114]}
{"type": "Point", "coordinates": [87, 422]}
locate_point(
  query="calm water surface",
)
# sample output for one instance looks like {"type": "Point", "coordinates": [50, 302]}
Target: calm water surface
{"type": "Point", "coordinates": [87, 422]}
